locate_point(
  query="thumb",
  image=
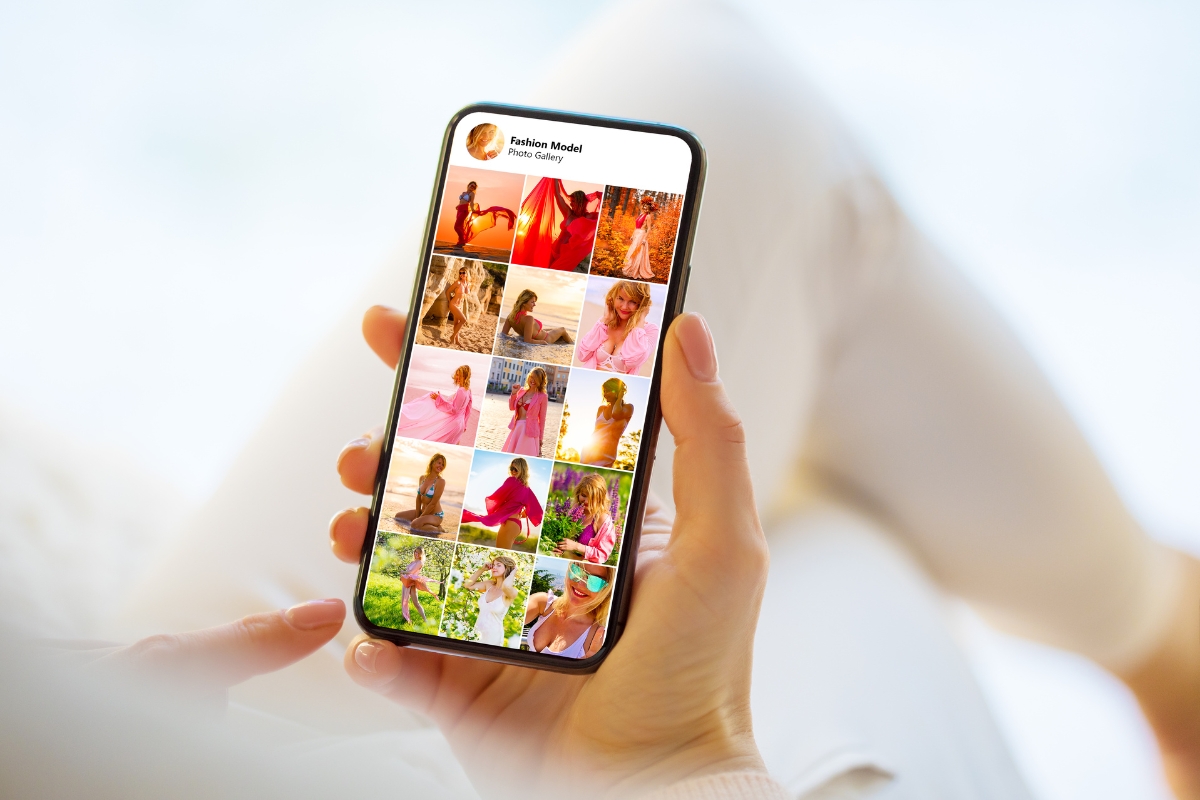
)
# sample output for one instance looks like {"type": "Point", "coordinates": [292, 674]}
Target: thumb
{"type": "Point", "coordinates": [714, 499]}
{"type": "Point", "coordinates": [220, 657]}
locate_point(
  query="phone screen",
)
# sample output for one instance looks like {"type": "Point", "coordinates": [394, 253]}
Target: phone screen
{"type": "Point", "coordinates": [521, 429]}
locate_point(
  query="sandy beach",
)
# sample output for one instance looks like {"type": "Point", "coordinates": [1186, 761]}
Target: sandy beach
{"type": "Point", "coordinates": [475, 338]}
{"type": "Point", "coordinates": [512, 347]}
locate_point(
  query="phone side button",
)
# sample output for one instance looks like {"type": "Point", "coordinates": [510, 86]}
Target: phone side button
{"type": "Point", "coordinates": [687, 278]}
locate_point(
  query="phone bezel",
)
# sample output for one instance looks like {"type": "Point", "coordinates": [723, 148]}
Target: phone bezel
{"type": "Point", "coordinates": [676, 289]}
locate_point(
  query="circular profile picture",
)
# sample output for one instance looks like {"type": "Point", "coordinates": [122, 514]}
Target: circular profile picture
{"type": "Point", "coordinates": [485, 141]}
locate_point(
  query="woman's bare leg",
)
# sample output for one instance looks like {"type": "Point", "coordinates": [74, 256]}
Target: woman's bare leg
{"type": "Point", "coordinates": [507, 534]}
{"type": "Point", "coordinates": [460, 319]}
{"type": "Point", "coordinates": [430, 523]}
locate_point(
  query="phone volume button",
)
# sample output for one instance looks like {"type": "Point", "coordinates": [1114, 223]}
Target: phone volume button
{"type": "Point", "coordinates": [687, 278]}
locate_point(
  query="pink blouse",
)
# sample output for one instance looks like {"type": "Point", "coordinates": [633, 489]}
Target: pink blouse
{"type": "Point", "coordinates": [598, 543]}
{"type": "Point", "coordinates": [535, 411]}
{"type": "Point", "coordinates": [639, 344]}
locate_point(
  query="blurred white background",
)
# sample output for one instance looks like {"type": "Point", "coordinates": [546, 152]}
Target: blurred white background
{"type": "Point", "coordinates": [193, 193]}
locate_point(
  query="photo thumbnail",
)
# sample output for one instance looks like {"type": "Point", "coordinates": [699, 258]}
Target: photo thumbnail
{"type": "Point", "coordinates": [556, 225]}
{"type": "Point", "coordinates": [635, 237]}
{"type": "Point", "coordinates": [602, 419]}
{"type": "Point", "coordinates": [539, 317]}
{"type": "Point", "coordinates": [523, 407]}
{"type": "Point", "coordinates": [485, 141]}
{"type": "Point", "coordinates": [406, 587]}
{"type": "Point", "coordinates": [424, 491]}
{"type": "Point", "coordinates": [486, 595]}
{"type": "Point", "coordinates": [585, 513]}
{"type": "Point", "coordinates": [505, 501]}
{"type": "Point", "coordinates": [443, 396]}
{"type": "Point", "coordinates": [461, 305]}
{"type": "Point", "coordinates": [620, 326]}
{"type": "Point", "coordinates": [477, 214]}
{"type": "Point", "coordinates": [567, 612]}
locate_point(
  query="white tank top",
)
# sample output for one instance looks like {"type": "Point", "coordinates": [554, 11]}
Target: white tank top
{"type": "Point", "coordinates": [574, 650]}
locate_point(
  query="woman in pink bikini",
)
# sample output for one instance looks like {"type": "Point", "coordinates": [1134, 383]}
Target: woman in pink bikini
{"type": "Point", "coordinates": [509, 506]}
{"type": "Point", "coordinates": [571, 626]}
{"type": "Point", "coordinates": [599, 535]}
{"type": "Point", "coordinates": [521, 322]}
{"type": "Point", "coordinates": [612, 419]}
{"type": "Point", "coordinates": [527, 426]}
{"type": "Point", "coordinates": [637, 257]}
{"type": "Point", "coordinates": [455, 294]}
{"type": "Point", "coordinates": [621, 340]}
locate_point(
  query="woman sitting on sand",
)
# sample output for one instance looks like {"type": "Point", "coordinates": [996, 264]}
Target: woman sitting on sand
{"type": "Point", "coordinates": [436, 419]}
{"type": "Point", "coordinates": [527, 426]}
{"type": "Point", "coordinates": [413, 581]}
{"type": "Point", "coordinates": [612, 419]}
{"type": "Point", "coordinates": [510, 505]}
{"type": "Point", "coordinates": [428, 514]}
{"type": "Point", "coordinates": [599, 535]}
{"type": "Point", "coordinates": [622, 339]}
{"type": "Point", "coordinates": [521, 322]}
{"type": "Point", "coordinates": [571, 626]}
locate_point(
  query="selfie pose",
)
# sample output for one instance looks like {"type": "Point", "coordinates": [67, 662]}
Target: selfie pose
{"type": "Point", "coordinates": [521, 322]}
{"type": "Point", "coordinates": [436, 419]}
{"type": "Point", "coordinates": [512, 505]}
{"type": "Point", "coordinates": [622, 339]}
{"type": "Point", "coordinates": [427, 515]}
{"type": "Point", "coordinates": [495, 583]}
{"type": "Point", "coordinates": [612, 419]}
{"type": "Point", "coordinates": [571, 626]}
{"type": "Point", "coordinates": [527, 426]}
{"type": "Point", "coordinates": [599, 535]}
{"type": "Point", "coordinates": [637, 258]}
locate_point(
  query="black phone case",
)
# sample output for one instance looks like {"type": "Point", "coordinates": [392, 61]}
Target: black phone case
{"type": "Point", "coordinates": [676, 289]}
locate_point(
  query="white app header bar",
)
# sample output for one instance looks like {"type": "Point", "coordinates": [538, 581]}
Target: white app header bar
{"type": "Point", "coordinates": [567, 150]}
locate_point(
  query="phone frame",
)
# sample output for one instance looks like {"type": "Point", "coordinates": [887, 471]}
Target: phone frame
{"type": "Point", "coordinates": [676, 290]}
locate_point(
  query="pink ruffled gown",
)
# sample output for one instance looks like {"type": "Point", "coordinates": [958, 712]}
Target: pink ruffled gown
{"type": "Point", "coordinates": [435, 419]}
{"type": "Point", "coordinates": [638, 346]}
{"type": "Point", "coordinates": [525, 435]}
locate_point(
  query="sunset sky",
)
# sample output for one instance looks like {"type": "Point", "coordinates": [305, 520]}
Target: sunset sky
{"type": "Point", "coordinates": [495, 189]}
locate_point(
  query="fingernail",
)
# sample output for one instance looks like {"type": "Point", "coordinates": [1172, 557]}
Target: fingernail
{"type": "Point", "coordinates": [696, 341]}
{"type": "Point", "coordinates": [358, 444]}
{"type": "Point", "coordinates": [316, 614]}
{"type": "Point", "coordinates": [366, 653]}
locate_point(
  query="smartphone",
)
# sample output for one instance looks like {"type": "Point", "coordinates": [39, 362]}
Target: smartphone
{"type": "Point", "coordinates": [507, 508]}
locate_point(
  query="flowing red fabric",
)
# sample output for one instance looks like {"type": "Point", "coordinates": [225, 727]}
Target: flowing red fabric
{"type": "Point", "coordinates": [542, 239]}
{"type": "Point", "coordinates": [507, 503]}
{"type": "Point", "coordinates": [474, 224]}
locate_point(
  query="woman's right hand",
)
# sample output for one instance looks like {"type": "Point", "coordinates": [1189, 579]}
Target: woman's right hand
{"type": "Point", "coordinates": [672, 699]}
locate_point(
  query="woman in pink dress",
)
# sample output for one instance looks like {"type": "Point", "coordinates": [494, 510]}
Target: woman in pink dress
{"type": "Point", "coordinates": [599, 536]}
{"type": "Point", "coordinates": [612, 419]}
{"type": "Point", "coordinates": [528, 404]}
{"type": "Point", "coordinates": [436, 419]}
{"type": "Point", "coordinates": [510, 506]}
{"type": "Point", "coordinates": [521, 322]}
{"type": "Point", "coordinates": [637, 257]}
{"type": "Point", "coordinates": [413, 581]}
{"type": "Point", "coordinates": [621, 340]}
{"type": "Point", "coordinates": [543, 240]}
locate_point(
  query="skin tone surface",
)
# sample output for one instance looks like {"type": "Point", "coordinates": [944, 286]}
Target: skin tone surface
{"type": "Point", "coordinates": [528, 330]}
{"type": "Point", "coordinates": [457, 292]}
{"type": "Point", "coordinates": [510, 529]}
{"type": "Point", "coordinates": [559, 631]}
{"type": "Point", "coordinates": [424, 516]}
{"type": "Point", "coordinates": [625, 307]}
{"type": "Point", "coordinates": [489, 579]}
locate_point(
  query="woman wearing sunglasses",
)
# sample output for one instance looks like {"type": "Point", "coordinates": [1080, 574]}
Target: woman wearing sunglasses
{"type": "Point", "coordinates": [571, 626]}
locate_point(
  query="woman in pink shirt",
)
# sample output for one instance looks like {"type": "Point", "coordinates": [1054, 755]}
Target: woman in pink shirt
{"type": "Point", "coordinates": [621, 340]}
{"type": "Point", "coordinates": [528, 404]}
{"type": "Point", "coordinates": [599, 534]}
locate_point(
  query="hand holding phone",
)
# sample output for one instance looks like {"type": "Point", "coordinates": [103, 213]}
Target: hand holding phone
{"type": "Point", "coordinates": [672, 699]}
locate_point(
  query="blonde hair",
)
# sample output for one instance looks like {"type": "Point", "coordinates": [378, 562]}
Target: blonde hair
{"type": "Point", "coordinates": [524, 297]}
{"type": "Point", "coordinates": [480, 136]}
{"type": "Point", "coordinates": [429, 468]}
{"type": "Point", "coordinates": [596, 606]}
{"type": "Point", "coordinates": [522, 468]}
{"type": "Point", "coordinates": [462, 376]}
{"type": "Point", "coordinates": [508, 562]}
{"type": "Point", "coordinates": [535, 381]}
{"type": "Point", "coordinates": [418, 549]}
{"type": "Point", "coordinates": [592, 492]}
{"type": "Point", "coordinates": [638, 292]}
{"type": "Point", "coordinates": [615, 384]}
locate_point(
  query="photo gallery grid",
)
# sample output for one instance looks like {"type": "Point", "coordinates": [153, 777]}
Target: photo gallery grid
{"type": "Point", "coordinates": [496, 493]}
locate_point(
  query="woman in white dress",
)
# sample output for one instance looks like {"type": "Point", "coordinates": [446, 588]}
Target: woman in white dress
{"type": "Point", "coordinates": [496, 583]}
{"type": "Point", "coordinates": [637, 258]}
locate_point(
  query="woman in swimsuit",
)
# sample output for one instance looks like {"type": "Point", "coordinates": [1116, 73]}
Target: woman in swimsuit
{"type": "Point", "coordinates": [427, 516]}
{"type": "Point", "coordinates": [528, 424]}
{"type": "Point", "coordinates": [511, 506]}
{"type": "Point", "coordinates": [455, 294]}
{"type": "Point", "coordinates": [599, 535]}
{"type": "Point", "coordinates": [521, 322]}
{"type": "Point", "coordinates": [496, 594]}
{"type": "Point", "coordinates": [621, 340]}
{"type": "Point", "coordinates": [571, 626]}
{"type": "Point", "coordinates": [612, 419]}
{"type": "Point", "coordinates": [414, 582]}
{"type": "Point", "coordinates": [637, 258]}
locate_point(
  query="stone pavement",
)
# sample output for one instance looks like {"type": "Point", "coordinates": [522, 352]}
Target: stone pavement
{"type": "Point", "coordinates": [493, 424]}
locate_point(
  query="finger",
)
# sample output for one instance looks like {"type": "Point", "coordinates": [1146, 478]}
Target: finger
{"type": "Point", "coordinates": [229, 654]}
{"type": "Point", "coordinates": [383, 328]}
{"type": "Point", "coordinates": [359, 461]}
{"type": "Point", "coordinates": [347, 532]}
{"type": "Point", "coordinates": [378, 665]}
{"type": "Point", "coordinates": [714, 499]}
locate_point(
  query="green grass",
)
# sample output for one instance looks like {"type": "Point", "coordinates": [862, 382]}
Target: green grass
{"type": "Point", "coordinates": [381, 603]}
{"type": "Point", "coordinates": [476, 534]}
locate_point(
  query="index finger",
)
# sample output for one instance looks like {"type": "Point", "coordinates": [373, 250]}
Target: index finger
{"type": "Point", "coordinates": [383, 328]}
